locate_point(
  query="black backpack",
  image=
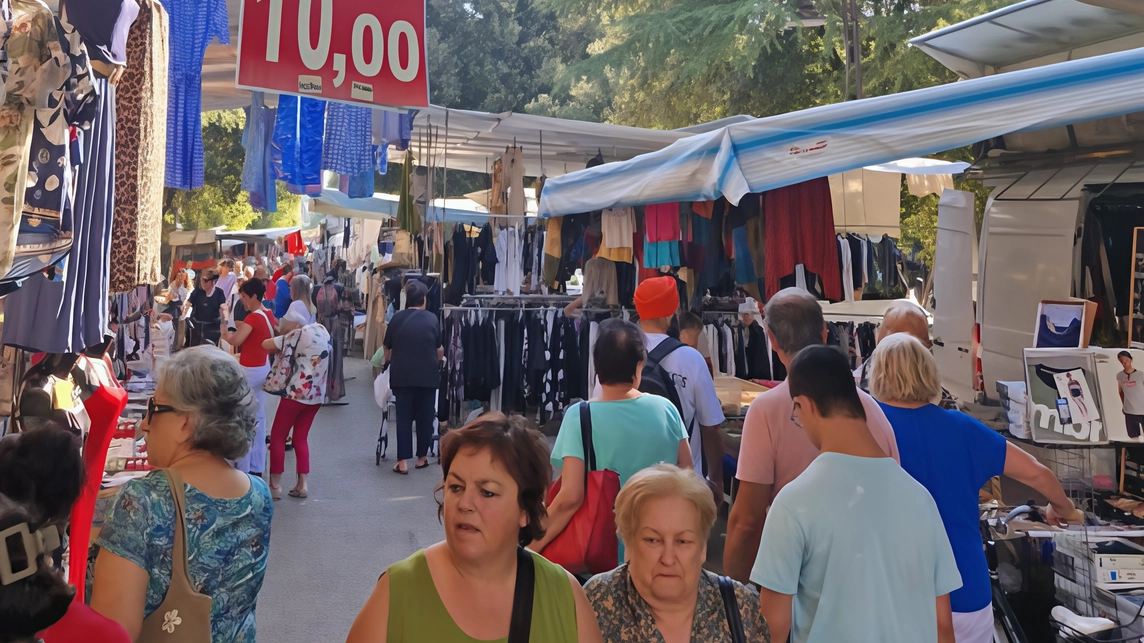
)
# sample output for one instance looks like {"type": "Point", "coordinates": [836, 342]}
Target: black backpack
{"type": "Point", "coordinates": [657, 381]}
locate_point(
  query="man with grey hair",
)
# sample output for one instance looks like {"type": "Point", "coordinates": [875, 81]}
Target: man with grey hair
{"type": "Point", "coordinates": [900, 317]}
{"type": "Point", "coordinates": [775, 450]}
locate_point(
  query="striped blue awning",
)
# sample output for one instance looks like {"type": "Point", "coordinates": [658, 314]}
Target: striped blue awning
{"type": "Point", "coordinates": [769, 153]}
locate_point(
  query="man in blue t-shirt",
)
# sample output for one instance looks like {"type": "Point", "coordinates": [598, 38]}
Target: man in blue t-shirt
{"type": "Point", "coordinates": [853, 535]}
{"type": "Point", "coordinates": [282, 297]}
{"type": "Point", "coordinates": [953, 456]}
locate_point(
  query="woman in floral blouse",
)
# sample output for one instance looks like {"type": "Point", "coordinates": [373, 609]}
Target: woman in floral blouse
{"type": "Point", "coordinates": [662, 594]}
{"type": "Point", "coordinates": [201, 416]}
{"type": "Point", "coordinates": [304, 394]}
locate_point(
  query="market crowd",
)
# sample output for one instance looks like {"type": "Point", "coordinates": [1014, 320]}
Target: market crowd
{"type": "Point", "coordinates": [856, 517]}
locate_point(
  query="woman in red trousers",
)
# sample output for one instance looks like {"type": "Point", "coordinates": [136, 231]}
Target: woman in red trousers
{"type": "Point", "coordinates": [301, 400]}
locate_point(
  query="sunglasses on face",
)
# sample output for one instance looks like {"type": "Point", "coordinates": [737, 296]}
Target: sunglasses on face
{"type": "Point", "coordinates": [154, 409]}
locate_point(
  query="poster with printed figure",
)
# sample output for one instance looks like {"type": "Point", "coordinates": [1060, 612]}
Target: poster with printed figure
{"type": "Point", "coordinates": [1121, 387]}
{"type": "Point", "coordinates": [1073, 388]}
{"type": "Point", "coordinates": [1065, 395]}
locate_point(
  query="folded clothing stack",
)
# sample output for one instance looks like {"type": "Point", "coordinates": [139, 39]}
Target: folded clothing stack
{"type": "Point", "coordinates": [1014, 398]}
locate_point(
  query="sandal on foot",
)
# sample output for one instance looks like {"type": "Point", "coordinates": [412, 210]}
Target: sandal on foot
{"type": "Point", "coordinates": [421, 466]}
{"type": "Point", "coordinates": [294, 493]}
{"type": "Point", "coordinates": [275, 493]}
{"type": "Point", "coordinates": [396, 470]}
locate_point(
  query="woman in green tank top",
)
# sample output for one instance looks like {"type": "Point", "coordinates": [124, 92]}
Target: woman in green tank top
{"type": "Point", "coordinates": [461, 590]}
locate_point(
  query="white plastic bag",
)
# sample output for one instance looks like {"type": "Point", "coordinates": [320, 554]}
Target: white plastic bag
{"type": "Point", "coordinates": [381, 390]}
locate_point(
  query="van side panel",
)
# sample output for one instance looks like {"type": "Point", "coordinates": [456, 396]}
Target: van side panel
{"type": "Point", "coordinates": [953, 316]}
{"type": "Point", "coordinates": [1028, 257]}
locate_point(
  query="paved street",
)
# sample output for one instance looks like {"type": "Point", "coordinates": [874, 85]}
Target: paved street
{"type": "Point", "coordinates": [327, 551]}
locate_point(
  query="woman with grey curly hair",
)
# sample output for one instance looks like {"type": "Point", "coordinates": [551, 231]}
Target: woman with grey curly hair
{"type": "Point", "coordinates": [201, 416]}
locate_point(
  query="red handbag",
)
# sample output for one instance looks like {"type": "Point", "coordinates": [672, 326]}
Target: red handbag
{"type": "Point", "coordinates": [589, 543]}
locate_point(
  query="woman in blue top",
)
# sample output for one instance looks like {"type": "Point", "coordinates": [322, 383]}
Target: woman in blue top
{"type": "Point", "coordinates": [201, 416]}
{"type": "Point", "coordinates": [953, 455]}
{"type": "Point", "coordinates": [631, 430]}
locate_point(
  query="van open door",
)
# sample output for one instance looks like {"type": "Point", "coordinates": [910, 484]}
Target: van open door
{"type": "Point", "coordinates": [953, 316]}
{"type": "Point", "coordinates": [1026, 257]}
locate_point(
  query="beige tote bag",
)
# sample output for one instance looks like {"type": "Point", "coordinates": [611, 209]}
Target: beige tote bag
{"type": "Point", "coordinates": [185, 615]}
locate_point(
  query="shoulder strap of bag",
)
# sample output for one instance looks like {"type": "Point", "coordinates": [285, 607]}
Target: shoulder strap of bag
{"type": "Point", "coordinates": [586, 439]}
{"type": "Point", "coordinates": [731, 605]}
{"type": "Point", "coordinates": [520, 627]}
{"type": "Point", "coordinates": [665, 348]}
{"type": "Point", "coordinates": [269, 326]}
{"type": "Point", "coordinates": [180, 571]}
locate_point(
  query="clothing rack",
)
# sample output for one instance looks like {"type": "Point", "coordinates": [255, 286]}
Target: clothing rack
{"type": "Point", "coordinates": [520, 297]}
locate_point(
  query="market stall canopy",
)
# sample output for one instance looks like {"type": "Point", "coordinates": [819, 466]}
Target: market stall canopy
{"type": "Point", "coordinates": [383, 207]}
{"type": "Point", "coordinates": [483, 197]}
{"type": "Point", "coordinates": [264, 235]}
{"type": "Point", "coordinates": [552, 146]}
{"type": "Point", "coordinates": [769, 153]}
{"type": "Point", "coordinates": [1035, 33]}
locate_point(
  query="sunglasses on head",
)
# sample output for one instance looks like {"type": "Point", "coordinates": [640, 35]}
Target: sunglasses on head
{"type": "Point", "coordinates": [154, 409]}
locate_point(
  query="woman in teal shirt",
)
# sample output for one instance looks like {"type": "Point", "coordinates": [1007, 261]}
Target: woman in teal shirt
{"type": "Point", "coordinates": [631, 430]}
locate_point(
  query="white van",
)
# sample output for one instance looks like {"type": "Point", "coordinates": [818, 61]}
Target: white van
{"type": "Point", "coordinates": [1045, 184]}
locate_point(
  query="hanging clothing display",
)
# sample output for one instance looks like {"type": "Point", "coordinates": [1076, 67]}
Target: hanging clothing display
{"type": "Point", "coordinates": [140, 136]}
{"type": "Point", "coordinates": [258, 177]}
{"type": "Point", "coordinates": [661, 222]}
{"type": "Point", "coordinates": [192, 27]}
{"type": "Point", "coordinates": [68, 316]}
{"type": "Point", "coordinates": [298, 134]}
{"type": "Point", "coordinates": [333, 309]}
{"type": "Point", "coordinates": [508, 275]}
{"type": "Point", "coordinates": [36, 66]}
{"type": "Point", "coordinates": [348, 148]}
{"type": "Point", "coordinates": [513, 181]}
{"type": "Point", "coordinates": [800, 222]}
{"type": "Point", "coordinates": [407, 217]}
{"type": "Point", "coordinates": [45, 234]}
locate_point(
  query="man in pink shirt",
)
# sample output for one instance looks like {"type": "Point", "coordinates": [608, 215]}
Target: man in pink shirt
{"type": "Point", "coordinates": [774, 450]}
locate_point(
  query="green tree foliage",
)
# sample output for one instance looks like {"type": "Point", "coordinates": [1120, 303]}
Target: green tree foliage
{"type": "Point", "coordinates": [221, 201]}
{"type": "Point", "coordinates": [673, 63]}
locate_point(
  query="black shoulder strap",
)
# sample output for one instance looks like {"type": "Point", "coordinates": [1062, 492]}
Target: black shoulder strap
{"type": "Point", "coordinates": [586, 440]}
{"type": "Point", "coordinates": [521, 625]}
{"type": "Point", "coordinates": [734, 620]}
{"type": "Point", "coordinates": [665, 348]}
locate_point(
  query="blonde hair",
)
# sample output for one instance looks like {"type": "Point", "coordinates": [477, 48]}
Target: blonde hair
{"type": "Point", "coordinates": [903, 370]}
{"type": "Point", "coordinates": [300, 291]}
{"type": "Point", "coordinates": [656, 482]}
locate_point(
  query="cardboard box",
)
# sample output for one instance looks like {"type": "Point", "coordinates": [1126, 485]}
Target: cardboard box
{"type": "Point", "coordinates": [1086, 311]}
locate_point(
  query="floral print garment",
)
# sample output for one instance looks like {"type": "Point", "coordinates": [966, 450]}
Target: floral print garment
{"type": "Point", "coordinates": [625, 616]}
{"type": "Point", "coordinates": [51, 160]}
{"type": "Point", "coordinates": [312, 363]}
{"type": "Point", "coordinates": [36, 67]}
{"type": "Point", "coordinates": [228, 541]}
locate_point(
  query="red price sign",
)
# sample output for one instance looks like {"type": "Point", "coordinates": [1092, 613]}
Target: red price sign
{"type": "Point", "coordinates": [359, 51]}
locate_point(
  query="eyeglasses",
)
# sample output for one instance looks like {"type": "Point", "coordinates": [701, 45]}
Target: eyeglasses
{"type": "Point", "coordinates": [154, 409]}
{"type": "Point", "coordinates": [794, 416]}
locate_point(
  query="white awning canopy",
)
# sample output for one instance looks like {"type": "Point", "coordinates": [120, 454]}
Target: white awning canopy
{"type": "Point", "coordinates": [1035, 33]}
{"type": "Point", "coordinates": [383, 207]}
{"type": "Point", "coordinates": [769, 153]}
{"type": "Point", "coordinates": [551, 146]}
